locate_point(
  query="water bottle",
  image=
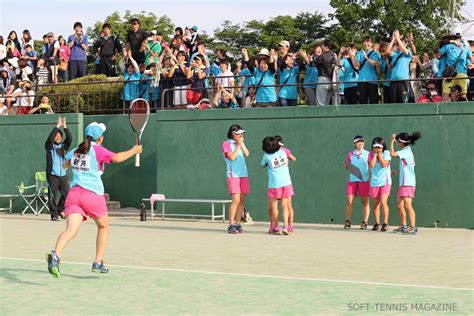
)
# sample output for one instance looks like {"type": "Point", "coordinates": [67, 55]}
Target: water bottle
{"type": "Point", "coordinates": [21, 188]}
{"type": "Point", "coordinates": [143, 212]}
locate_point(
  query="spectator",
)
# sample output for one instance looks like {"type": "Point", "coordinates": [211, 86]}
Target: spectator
{"type": "Point", "coordinates": [435, 63]}
{"type": "Point", "coordinates": [42, 73]}
{"type": "Point", "coordinates": [131, 75]}
{"type": "Point", "coordinates": [3, 108]}
{"type": "Point", "coordinates": [167, 71]}
{"type": "Point", "coordinates": [43, 47]}
{"type": "Point", "coordinates": [153, 49]}
{"type": "Point", "coordinates": [416, 72]}
{"type": "Point", "coordinates": [194, 40]}
{"type": "Point", "coordinates": [106, 48]}
{"type": "Point", "coordinates": [288, 73]}
{"type": "Point", "coordinates": [349, 73]}
{"type": "Point", "coordinates": [368, 60]}
{"type": "Point", "coordinates": [326, 63]}
{"type": "Point", "coordinates": [12, 51]}
{"type": "Point", "coordinates": [25, 97]}
{"type": "Point", "coordinates": [198, 71]}
{"type": "Point", "coordinates": [24, 72]}
{"type": "Point", "coordinates": [456, 94]}
{"type": "Point", "coordinates": [427, 67]}
{"type": "Point", "coordinates": [26, 40]}
{"type": "Point", "coordinates": [64, 54]}
{"type": "Point", "coordinates": [225, 78]}
{"type": "Point", "coordinates": [3, 49]}
{"type": "Point", "coordinates": [152, 80]}
{"type": "Point", "coordinates": [458, 55]}
{"type": "Point", "coordinates": [180, 79]}
{"type": "Point", "coordinates": [224, 99]}
{"type": "Point", "coordinates": [263, 76]}
{"type": "Point", "coordinates": [283, 49]}
{"type": "Point", "coordinates": [385, 71]}
{"type": "Point", "coordinates": [135, 39]}
{"type": "Point", "coordinates": [400, 59]}
{"type": "Point", "coordinates": [430, 94]}
{"type": "Point", "coordinates": [12, 36]}
{"type": "Point", "coordinates": [31, 56]}
{"type": "Point", "coordinates": [470, 73]}
{"type": "Point", "coordinates": [43, 108]}
{"type": "Point", "coordinates": [6, 88]}
{"type": "Point", "coordinates": [311, 75]}
{"type": "Point", "coordinates": [78, 43]}
{"type": "Point", "coordinates": [215, 69]}
{"type": "Point", "coordinates": [51, 57]}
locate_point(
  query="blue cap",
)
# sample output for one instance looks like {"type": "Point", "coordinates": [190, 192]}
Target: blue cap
{"type": "Point", "coordinates": [95, 130]}
{"type": "Point", "coordinates": [195, 28]}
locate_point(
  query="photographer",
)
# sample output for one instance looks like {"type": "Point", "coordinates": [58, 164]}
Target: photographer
{"type": "Point", "coordinates": [430, 94]}
{"type": "Point", "coordinates": [78, 43]}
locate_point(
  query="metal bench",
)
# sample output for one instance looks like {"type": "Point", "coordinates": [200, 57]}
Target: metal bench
{"type": "Point", "coordinates": [213, 216]}
{"type": "Point", "coordinates": [10, 197]}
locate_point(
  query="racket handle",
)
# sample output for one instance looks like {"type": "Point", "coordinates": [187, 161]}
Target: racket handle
{"type": "Point", "coordinates": [137, 160]}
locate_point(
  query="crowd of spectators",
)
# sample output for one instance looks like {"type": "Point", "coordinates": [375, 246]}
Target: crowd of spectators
{"type": "Point", "coordinates": [184, 73]}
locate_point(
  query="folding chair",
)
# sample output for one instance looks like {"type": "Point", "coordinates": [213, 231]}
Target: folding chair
{"type": "Point", "coordinates": [40, 194]}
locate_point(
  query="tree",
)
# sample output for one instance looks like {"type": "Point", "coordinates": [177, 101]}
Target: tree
{"type": "Point", "coordinates": [427, 19]}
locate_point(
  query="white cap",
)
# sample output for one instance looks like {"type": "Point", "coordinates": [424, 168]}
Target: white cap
{"type": "Point", "coordinates": [457, 31]}
{"type": "Point", "coordinates": [265, 52]}
{"type": "Point", "coordinates": [238, 132]}
{"type": "Point", "coordinates": [284, 43]}
{"type": "Point", "coordinates": [154, 32]}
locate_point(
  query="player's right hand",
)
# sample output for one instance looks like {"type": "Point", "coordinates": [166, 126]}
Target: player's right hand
{"type": "Point", "coordinates": [138, 149]}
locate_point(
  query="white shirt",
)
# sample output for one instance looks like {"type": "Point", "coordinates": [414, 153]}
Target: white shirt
{"type": "Point", "coordinates": [228, 82]}
{"type": "Point", "coordinates": [3, 110]}
{"type": "Point", "coordinates": [25, 98]}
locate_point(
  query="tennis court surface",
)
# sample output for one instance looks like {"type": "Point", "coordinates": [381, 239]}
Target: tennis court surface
{"type": "Point", "coordinates": [195, 267]}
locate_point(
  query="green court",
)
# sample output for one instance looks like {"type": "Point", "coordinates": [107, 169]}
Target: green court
{"type": "Point", "coordinates": [195, 267]}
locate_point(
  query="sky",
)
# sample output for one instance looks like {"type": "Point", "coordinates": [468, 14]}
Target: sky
{"type": "Point", "coordinates": [58, 16]}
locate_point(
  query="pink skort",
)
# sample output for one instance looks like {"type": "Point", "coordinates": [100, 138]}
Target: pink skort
{"type": "Point", "coordinates": [376, 192]}
{"type": "Point", "coordinates": [281, 192]}
{"type": "Point", "coordinates": [85, 202]}
{"type": "Point", "coordinates": [358, 188]}
{"type": "Point", "coordinates": [238, 185]}
{"type": "Point", "coordinates": [406, 191]}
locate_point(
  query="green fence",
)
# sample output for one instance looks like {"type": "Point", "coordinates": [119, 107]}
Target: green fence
{"type": "Point", "coordinates": [182, 156]}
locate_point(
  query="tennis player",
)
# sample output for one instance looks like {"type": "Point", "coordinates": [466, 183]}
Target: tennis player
{"type": "Point", "coordinates": [86, 197]}
{"type": "Point", "coordinates": [359, 158]}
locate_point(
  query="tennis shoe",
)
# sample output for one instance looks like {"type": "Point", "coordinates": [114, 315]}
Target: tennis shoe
{"type": "Point", "coordinates": [232, 229]}
{"type": "Point", "coordinates": [291, 229]}
{"type": "Point", "coordinates": [53, 264]}
{"type": "Point", "coordinates": [99, 267]}
{"type": "Point", "coordinates": [276, 230]}
{"type": "Point", "coordinates": [285, 230]}
{"type": "Point", "coordinates": [376, 227]}
{"type": "Point", "coordinates": [363, 226]}
{"type": "Point", "coordinates": [384, 227]}
{"type": "Point", "coordinates": [411, 231]}
{"type": "Point", "coordinates": [239, 228]}
{"type": "Point", "coordinates": [347, 224]}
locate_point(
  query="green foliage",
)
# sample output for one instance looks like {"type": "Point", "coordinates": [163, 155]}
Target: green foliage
{"type": "Point", "coordinates": [87, 94]}
{"type": "Point", "coordinates": [428, 20]}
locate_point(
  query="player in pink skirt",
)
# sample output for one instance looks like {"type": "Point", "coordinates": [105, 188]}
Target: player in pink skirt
{"type": "Point", "coordinates": [358, 158]}
{"type": "Point", "coordinates": [86, 197]}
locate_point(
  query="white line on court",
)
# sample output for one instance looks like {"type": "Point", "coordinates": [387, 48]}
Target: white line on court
{"type": "Point", "coordinates": [248, 275]}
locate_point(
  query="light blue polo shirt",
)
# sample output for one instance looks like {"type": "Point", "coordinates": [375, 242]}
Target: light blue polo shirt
{"type": "Point", "coordinates": [57, 168]}
{"type": "Point", "coordinates": [452, 52]}
{"type": "Point", "coordinates": [367, 72]}
{"type": "Point", "coordinates": [401, 70]}
{"type": "Point", "coordinates": [290, 93]}
{"type": "Point", "coordinates": [85, 171]}
{"type": "Point", "coordinates": [311, 77]}
{"type": "Point", "coordinates": [441, 66]}
{"type": "Point", "coordinates": [361, 162]}
{"type": "Point", "coordinates": [277, 166]}
{"type": "Point", "coordinates": [348, 74]}
{"type": "Point", "coordinates": [264, 94]}
{"type": "Point", "coordinates": [407, 167]}
{"type": "Point", "coordinates": [131, 90]}
{"type": "Point", "coordinates": [387, 72]}
{"type": "Point", "coordinates": [238, 167]}
{"type": "Point", "coordinates": [381, 176]}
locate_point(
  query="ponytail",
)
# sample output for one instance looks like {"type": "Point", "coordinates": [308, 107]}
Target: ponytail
{"type": "Point", "coordinates": [84, 147]}
{"type": "Point", "coordinates": [408, 139]}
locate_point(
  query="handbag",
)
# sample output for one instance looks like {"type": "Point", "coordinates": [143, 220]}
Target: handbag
{"type": "Point", "coordinates": [193, 96]}
{"type": "Point", "coordinates": [63, 66]}
{"type": "Point", "coordinates": [450, 71]}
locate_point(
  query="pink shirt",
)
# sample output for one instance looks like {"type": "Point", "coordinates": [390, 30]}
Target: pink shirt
{"type": "Point", "coordinates": [103, 156]}
{"type": "Point", "coordinates": [424, 99]}
{"type": "Point", "coordinates": [64, 53]}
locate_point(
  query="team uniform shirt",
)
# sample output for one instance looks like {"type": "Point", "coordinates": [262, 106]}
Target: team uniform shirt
{"type": "Point", "coordinates": [247, 79]}
{"type": "Point", "coordinates": [87, 169]}
{"type": "Point", "coordinates": [452, 52]}
{"type": "Point", "coordinates": [238, 167]}
{"type": "Point", "coordinates": [360, 161]}
{"type": "Point", "coordinates": [290, 77]}
{"type": "Point", "coordinates": [384, 66]}
{"type": "Point", "coordinates": [277, 166]}
{"type": "Point", "coordinates": [401, 70]}
{"type": "Point", "coordinates": [57, 161]}
{"type": "Point", "coordinates": [348, 74]}
{"type": "Point", "coordinates": [367, 71]}
{"type": "Point", "coordinates": [131, 90]}
{"type": "Point", "coordinates": [381, 176]}
{"type": "Point", "coordinates": [407, 167]}
{"type": "Point", "coordinates": [310, 77]}
{"type": "Point", "coordinates": [265, 94]}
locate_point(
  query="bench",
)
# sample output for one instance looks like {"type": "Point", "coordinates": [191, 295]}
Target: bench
{"type": "Point", "coordinates": [10, 197]}
{"type": "Point", "coordinates": [213, 216]}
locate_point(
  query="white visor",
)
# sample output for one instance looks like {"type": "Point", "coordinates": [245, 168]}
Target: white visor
{"type": "Point", "coordinates": [403, 141]}
{"type": "Point", "coordinates": [378, 145]}
{"type": "Point", "coordinates": [238, 132]}
{"type": "Point", "coordinates": [358, 140]}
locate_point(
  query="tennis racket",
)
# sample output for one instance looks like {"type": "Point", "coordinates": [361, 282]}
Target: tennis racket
{"type": "Point", "coordinates": [138, 117]}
